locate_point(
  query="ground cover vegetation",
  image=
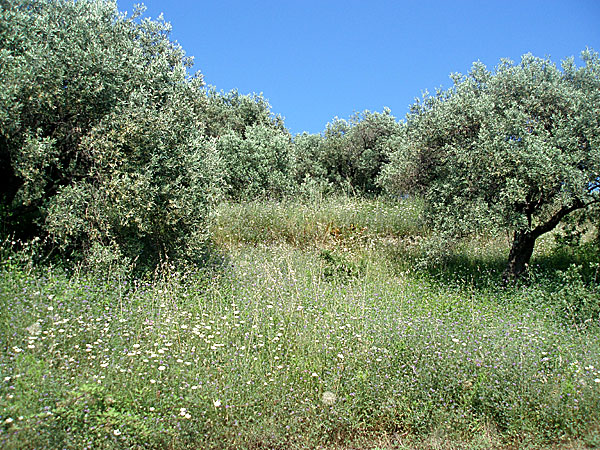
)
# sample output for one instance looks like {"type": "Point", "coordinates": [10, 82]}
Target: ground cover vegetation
{"type": "Point", "coordinates": [178, 271]}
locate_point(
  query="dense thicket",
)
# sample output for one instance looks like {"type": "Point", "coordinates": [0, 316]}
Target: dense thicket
{"type": "Point", "coordinates": [101, 132]}
{"type": "Point", "coordinates": [348, 156]}
{"type": "Point", "coordinates": [253, 143]}
{"type": "Point", "coordinates": [515, 149]}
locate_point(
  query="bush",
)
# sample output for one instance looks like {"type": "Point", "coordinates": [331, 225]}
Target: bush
{"type": "Point", "coordinates": [101, 135]}
{"type": "Point", "coordinates": [349, 155]}
{"type": "Point", "coordinates": [256, 164]}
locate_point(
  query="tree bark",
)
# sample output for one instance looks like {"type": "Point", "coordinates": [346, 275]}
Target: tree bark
{"type": "Point", "coordinates": [519, 256]}
{"type": "Point", "coordinates": [524, 241]}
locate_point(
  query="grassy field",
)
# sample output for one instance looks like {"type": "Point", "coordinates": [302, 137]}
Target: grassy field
{"type": "Point", "coordinates": [320, 328]}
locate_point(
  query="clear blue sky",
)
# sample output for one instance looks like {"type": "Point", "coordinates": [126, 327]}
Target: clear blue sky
{"type": "Point", "coordinates": [317, 59]}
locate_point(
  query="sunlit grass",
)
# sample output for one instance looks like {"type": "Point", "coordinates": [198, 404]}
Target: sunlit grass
{"type": "Point", "coordinates": [311, 223]}
{"type": "Point", "coordinates": [289, 347]}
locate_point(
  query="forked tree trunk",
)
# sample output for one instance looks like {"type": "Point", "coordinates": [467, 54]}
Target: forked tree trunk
{"type": "Point", "coordinates": [519, 256]}
{"type": "Point", "coordinates": [524, 241]}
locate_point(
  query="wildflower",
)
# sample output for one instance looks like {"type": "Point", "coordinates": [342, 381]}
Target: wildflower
{"type": "Point", "coordinates": [217, 403]}
{"type": "Point", "coordinates": [9, 420]}
{"type": "Point", "coordinates": [34, 329]}
{"type": "Point", "coordinates": [314, 374]}
{"type": "Point", "coordinates": [117, 432]}
{"type": "Point", "coordinates": [328, 398]}
{"type": "Point", "coordinates": [597, 380]}
{"type": "Point", "coordinates": [161, 368]}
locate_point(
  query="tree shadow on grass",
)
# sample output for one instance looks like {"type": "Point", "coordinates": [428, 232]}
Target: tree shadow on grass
{"type": "Point", "coordinates": [484, 272]}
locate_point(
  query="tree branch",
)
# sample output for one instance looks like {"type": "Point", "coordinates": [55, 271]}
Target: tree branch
{"type": "Point", "coordinates": [557, 217]}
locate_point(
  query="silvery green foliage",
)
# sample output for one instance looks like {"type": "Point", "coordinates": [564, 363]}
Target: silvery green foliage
{"type": "Point", "coordinates": [235, 112]}
{"type": "Point", "coordinates": [516, 149]}
{"type": "Point", "coordinates": [256, 163]}
{"type": "Point", "coordinates": [252, 142]}
{"type": "Point", "coordinates": [101, 132]}
{"type": "Point", "coordinates": [350, 153]}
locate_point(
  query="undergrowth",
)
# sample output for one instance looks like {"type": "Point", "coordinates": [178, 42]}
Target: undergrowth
{"type": "Point", "coordinates": [329, 339]}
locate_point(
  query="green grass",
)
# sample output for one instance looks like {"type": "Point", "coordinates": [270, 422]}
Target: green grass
{"type": "Point", "coordinates": [315, 223]}
{"type": "Point", "coordinates": [323, 340]}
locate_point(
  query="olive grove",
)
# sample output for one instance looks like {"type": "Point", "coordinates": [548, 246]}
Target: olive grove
{"type": "Point", "coordinates": [515, 150]}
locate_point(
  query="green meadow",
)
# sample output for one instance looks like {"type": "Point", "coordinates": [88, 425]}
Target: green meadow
{"type": "Point", "coordinates": [317, 326]}
{"type": "Point", "coordinates": [179, 271]}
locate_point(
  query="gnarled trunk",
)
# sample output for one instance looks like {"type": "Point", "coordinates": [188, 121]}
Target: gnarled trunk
{"type": "Point", "coordinates": [519, 256]}
{"type": "Point", "coordinates": [524, 241]}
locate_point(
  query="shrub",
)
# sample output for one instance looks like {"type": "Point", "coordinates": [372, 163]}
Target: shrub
{"type": "Point", "coordinates": [101, 139]}
{"type": "Point", "coordinates": [349, 155]}
{"type": "Point", "coordinates": [256, 164]}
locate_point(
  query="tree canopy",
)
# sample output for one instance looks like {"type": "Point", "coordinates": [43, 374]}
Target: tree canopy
{"type": "Point", "coordinates": [101, 132]}
{"type": "Point", "coordinates": [515, 149]}
{"type": "Point", "coordinates": [108, 144]}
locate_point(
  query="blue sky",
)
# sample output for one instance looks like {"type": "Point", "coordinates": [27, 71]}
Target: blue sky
{"type": "Point", "coordinates": [317, 59]}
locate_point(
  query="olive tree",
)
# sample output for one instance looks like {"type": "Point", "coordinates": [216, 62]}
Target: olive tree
{"type": "Point", "coordinates": [349, 154]}
{"type": "Point", "coordinates": [101, 132]}
{"type": "Point", "coordinates": [255, 164]}
{"type": "Point", "coordinates": [516, 149]}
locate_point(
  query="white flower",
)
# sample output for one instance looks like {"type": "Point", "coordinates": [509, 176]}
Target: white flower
{"type": "Point", "coordinates": [9, 420]}
{"type": "Point", "coordinates": [339, 355]}
{"type": "Point", "coordinates": [161, 368]}
{"type": "Point", "coordinates": [217, 403]}
{"type": "Point", "coordinates": [314, 374]}
{"type": "Point", "coordinates": [34, 329]}
{"type": "Point", "coordinates": [116, 432]}
{"type": "Point", "coordinates": [597, 380]}
{"type": "Point", "coordinates": [328, 398]}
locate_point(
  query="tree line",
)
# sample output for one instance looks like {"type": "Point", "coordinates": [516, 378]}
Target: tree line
{"type": "Point", "coordinates": [109, 146]}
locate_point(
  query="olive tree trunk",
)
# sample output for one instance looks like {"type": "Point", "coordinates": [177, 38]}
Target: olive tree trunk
{"type": "Point", "coordinates": [524, 242]}
{"type": "Point", "coordinates": [519, 256]}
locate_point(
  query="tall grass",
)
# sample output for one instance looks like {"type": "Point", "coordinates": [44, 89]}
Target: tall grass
{"type": "Point", "coordinates": [287, 347]}
{"type": "Point", "coordinates": [314, 222]}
